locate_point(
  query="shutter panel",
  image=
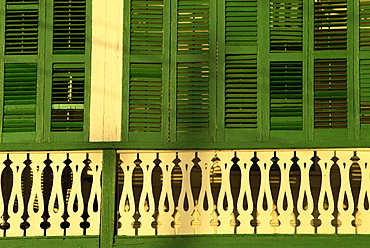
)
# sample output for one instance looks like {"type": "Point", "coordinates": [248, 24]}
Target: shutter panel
{"type": "Point", "coordinates": [21, 27]}
{"type": "Point", "coordinates": [364, 25]}
{"type": "Point", "coordinates": [331, 93]}
{"type": "Point", "coordinates": [195, 68]}
{"type": "Point", "coordinates": [330, 25]}
{"type": "Point", "coordinates": [286, 26]}
{"type": "Point", "coordinates": [365, 93]}
{"type": "Point", "coordinates": [68, 97]}
{"type": "Point", "coordinates": [241, 22]}
{"type": "Point", "coordinates": [20, 91]}
{"type": "Point", "coordinates": [147, 68]}
{"type": "Point", "coordinates": [241, 91]}
{"type": "Point", "coordinates": [69, 27]}
{"type": "Point", "coordinates": [286, 95]}
{"type": "Point", "coordinates": [146, 97]}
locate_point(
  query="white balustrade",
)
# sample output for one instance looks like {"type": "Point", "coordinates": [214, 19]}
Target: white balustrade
{"type": "Point", "coordinates": [38, 202]}
{"type": "Point", "coordinates": [300, 200]}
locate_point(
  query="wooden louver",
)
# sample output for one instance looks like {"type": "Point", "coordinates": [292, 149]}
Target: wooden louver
{"type": "Point", "coordinates": [364, 25]}
{"type": "Point", "coordinates": [67, 110]}
{"type": "Point", "coordinates": [69, 27]}
{"type": "Point", "coordinates": [330, 25]}
{"type": "Point", "coordinates": [364, 92]}
{"type": "Point", "coordinates": [286, 25]}
{"type": "Point", "coordinates": [286, 95]}
{"type": "Point", "coordinates": [331, 93]}
{"type": "Point", "coordinates": [145, 98]}
{"type": "Point", "coordinates": [241, 91]}
{"type": "Point", "coordinates": [21, 27]}
{"type": "Point", "coordinates": [241, 23]}
{"type": "Point", "coordinates": [20, 94]}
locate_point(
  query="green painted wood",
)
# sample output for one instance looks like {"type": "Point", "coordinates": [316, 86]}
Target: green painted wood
{"type": "Point", "coordinates": [108, 205]}
{"type": "Point", "coordinates": [41, 242]}
{"type": "Point", "coordinates": [236, 241]}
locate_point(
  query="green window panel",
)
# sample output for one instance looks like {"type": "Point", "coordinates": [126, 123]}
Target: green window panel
{"type": "Point", "coordinates": [43, 67]}
{"type": "Point", "coordinates": [365, 93]}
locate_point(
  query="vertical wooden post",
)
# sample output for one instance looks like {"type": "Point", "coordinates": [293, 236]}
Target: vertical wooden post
{"type": "Point", "coordinates": [108, 208]}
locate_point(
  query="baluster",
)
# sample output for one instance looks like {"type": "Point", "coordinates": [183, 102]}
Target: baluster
{"type": "Point", "coordinates": [264, 195]}
{"type": "Point", "coordinates": [95, 194]}
{"type": "Point", "coordinates": [225, 194]}
{"type": "Point", "coordinates": [127, 201]}
{"type": "Point", "coordinates": [146, 202]}
{"type": "Point", "coordinates": [186, 217]}
{"type": "Point", "coordinates": [305, 195]}
{"type": "Point", "coordinates": [245, 194]}
{"type": "Point", "coordinates": [364, 196]}
{"type": "Point", "coordinates": [285, 192]}
{"type": "Point", "coordinates": [345, 212]}
{"type": "Point", "coordinates": [16, 203]}
{"type": "Point", "coordinates": [325, 211]}
{"type": "Point", "coordinates": [165, 212]}
{"type": "Point", "coordinates": [3, 157]}
{"type": "Point", "coordinates": [35, 215]}
{"type": "Point", "coordinates": [205, 214]}
{"type": "Point", "coordinates": [56, 205]}
{"type": "Point", "coordinates": [75, 205]}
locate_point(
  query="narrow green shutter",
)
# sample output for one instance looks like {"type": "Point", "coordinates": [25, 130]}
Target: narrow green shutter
{"type": "Point", "coordinates": [146, 67]}
{"type": "Point", "coordinates": [68, 88]}
{"type": "Point", "coordinates": [20, 90]}
{"type": "Point", "coordinates": [286, 104]}
{"type": "Point", "coordinates": [331, 93]}
{"type": "Point", "coordinates": [67, 62]}
{"type": "Point", "coordinates": [21, 27]}
{"type": "Point", "coordinates": [69, 27]}
{"type": "Point", "coordinates": [365, 93]}
{"type": "Point", "coordinates": [286, 25]}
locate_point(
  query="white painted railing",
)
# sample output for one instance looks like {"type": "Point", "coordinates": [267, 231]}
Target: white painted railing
{"type": "Point", "coordinates": [208, 192]}
{"type": "Point", "coordinates": [52, 194]}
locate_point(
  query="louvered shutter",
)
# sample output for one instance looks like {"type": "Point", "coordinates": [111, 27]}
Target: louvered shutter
{"type": "Point", "coordinates": [331, 103]}
{"type": "Point", "coordinates": [146, 69]}
{"type": "Point", "coordinates": [69, 26]}
{"type": "Point", "coordinates": [21, 27]}
{"type": "Point", "coordinates": [20, 71]}
{"type": "Point", "coordinates": [20, 94]}
{"type": "Point", "coordinates": [68, 97]}
{"type": "Point", "coordinates": [195, 69]}
{"type": "Point", "coordinates": [286, 25]}
{"type": "Point", "coordinates": [330, 25]}
{"type": "Point", "coordinates": [286, 98]}
{"type": "Point", "coordinates": [237, 73]}
{"type": "Point", "coordinates": [67, 63]}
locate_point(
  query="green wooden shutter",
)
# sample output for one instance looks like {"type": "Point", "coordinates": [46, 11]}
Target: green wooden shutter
{"type": "Point", "coordinates": [331, 103]}
{"type": "Point", "coordinates": [286, 102]}
{"type": "Point", "coordinates": [146, 69]}
{"type": "Point", "coordinates": [21, 27]}
{"type": "Point", "coordinates": [286, 25]}
{"type": "Point", "coordinates": [330, 25]}
{"type": "Point", "coordinates": [237, 70]}
{"type": "Point", "coordinates": [68, 89]}
{"type": "Point", "coordinates": [20, 90]}
{"type": "Point", "coordinates": [195, 69]}
{"type": "Point", "coordinates": [69, 27]}
{"type": "Point", "coordinates": [365, 93]}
